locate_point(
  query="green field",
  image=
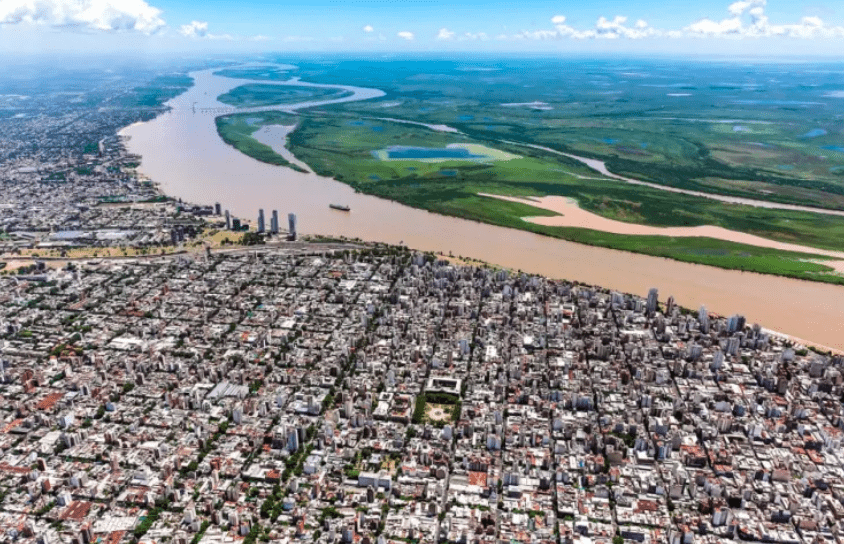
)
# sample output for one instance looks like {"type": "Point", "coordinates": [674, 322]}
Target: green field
{"type": "Point", "coordinates": [156, 92]}
{"type": "Point", "coordinates": [262, 94]}
{"type": "Point", "coordinates": [237, 130]}
{"type": "Point", "coordinates": [343, 149]}
{"type": "Point", "coordinates": [700, 157]}
{"type": "Point", "coordinates": [768, 147]}
{"type": "Point", "coordinates": [261, 73]}
{"type": "Point", "coordinates": [769, 132]}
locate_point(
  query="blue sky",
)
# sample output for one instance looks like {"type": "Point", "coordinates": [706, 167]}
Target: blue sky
{"type": "Point", "coordinates": [804, 27]}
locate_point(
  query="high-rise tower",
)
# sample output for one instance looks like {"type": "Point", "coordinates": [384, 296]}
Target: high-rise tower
{"type": "Point", "coordinates": [291, 221]}
{"type": "Point", "coordinates": [274, 222]}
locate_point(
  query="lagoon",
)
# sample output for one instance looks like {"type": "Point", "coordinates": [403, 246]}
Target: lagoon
{"type": "Point", "coordinates": [404, 153]}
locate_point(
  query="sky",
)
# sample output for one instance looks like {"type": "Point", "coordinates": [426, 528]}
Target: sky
{"type": "Point", "coordinates": [668, 27]}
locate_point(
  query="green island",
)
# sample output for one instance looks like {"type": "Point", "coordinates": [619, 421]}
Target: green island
{"type": "Point", "coordinates": [765, 156]}
{"type": "Point", "coordinates": [263, 94]}
{"type": "Point", "coordinates": [258, 73]}
{"type": "Point", "coordinates": [238, 130]}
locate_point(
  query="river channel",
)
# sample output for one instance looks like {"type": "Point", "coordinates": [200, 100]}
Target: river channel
{"type": "Point", "coordinates": [182, 152]}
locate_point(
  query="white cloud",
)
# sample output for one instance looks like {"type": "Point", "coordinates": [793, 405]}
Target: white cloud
{"type": "Point", "coordinates": [748, 20]}
{"type": "Point", "coordinates": [445, 34]}
{"type": "Point", "coordinates": [617, 29]}
{"type": "Point", "coordinates": [199, 29]}
{"type": "Point", "coordinates": [737, 8]}
{"type": "Point", "coordinates": [105, 15]}
{"type": "Point", "coordinates": [405, 35]}
{"type": "Point", "coordinates": [604, 28]}
{"type": "Point", "coordinates": [196, 29]}
{"type": "Point", "coordinates": [368, 28]}
{"type": "Point", "coordinates": [470, 36]}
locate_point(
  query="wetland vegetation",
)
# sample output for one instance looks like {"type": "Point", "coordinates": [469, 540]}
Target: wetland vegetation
{"type": "Point", "coordinates": [261, 94]}
{"type": "Point", "coordinates": [715, 129]}
{"type": "Point", "coordinates": [237, 130]}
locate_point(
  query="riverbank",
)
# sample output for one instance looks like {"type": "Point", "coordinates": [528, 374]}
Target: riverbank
{"type": "Point", "coordinates": [183, 153]}
{"type": "Point", "coordinates": [343, 147]}
{"type": "Point", "coordinates": [351, 161]}
{"type": "Point", "coordinates": [572, 215]}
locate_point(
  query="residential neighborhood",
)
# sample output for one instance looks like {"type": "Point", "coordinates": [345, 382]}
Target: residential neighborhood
{"type": "Point", "coordinates": [362, 394]}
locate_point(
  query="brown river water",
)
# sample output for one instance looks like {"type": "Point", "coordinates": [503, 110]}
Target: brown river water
{"type": "Point", "coordinates": [182, 152]}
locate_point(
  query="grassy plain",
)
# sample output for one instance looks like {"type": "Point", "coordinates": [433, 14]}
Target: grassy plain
{"type": "Point", "coordinates": [769, 132]}
{"type": "Point", "coordinates": [261, 94]}
{"type": "Point", "coordinates": [668, 124]}
{"type": "Point", "coordinates": [155, 93]}
{"type": "Point", "coordinates": [700, 158]}
{"type": "Point", "coordinates": [260, 73]}
{"type": "Point", "coordinates": [342, 148]}
{"type": "Point", "coordinates": [237, 130]}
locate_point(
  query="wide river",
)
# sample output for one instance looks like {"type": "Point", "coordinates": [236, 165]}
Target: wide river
{"type": "Point", "coordinates": [182, 152]}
